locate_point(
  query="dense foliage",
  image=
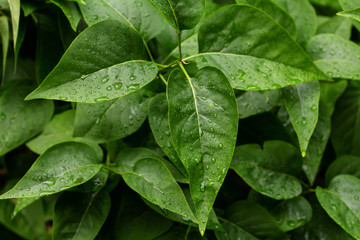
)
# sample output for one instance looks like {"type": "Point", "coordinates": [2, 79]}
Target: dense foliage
{"type": "Point", "coordinates": [180, 119]}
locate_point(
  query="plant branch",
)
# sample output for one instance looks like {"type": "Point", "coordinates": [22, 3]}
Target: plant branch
{"type": "Point", "coordinates": [179, 44]}
{"type": "Point", "coordinates": [162, 78]}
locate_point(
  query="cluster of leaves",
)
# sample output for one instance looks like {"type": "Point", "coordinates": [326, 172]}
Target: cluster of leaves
{"type": "Point", "coordinates": [128, 119]}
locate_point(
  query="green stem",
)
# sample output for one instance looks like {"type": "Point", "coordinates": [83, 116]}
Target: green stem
{"type": "Point", "coordinates": [187, 233]}
{"type": "Point", "coordinates": [184, 70]}
{"type": "Point", "coordinates": [162, 78]}
{"type": "Point", "coordinates": [179, 44]}
{"type": "Point", "coordinates": [148, 51]}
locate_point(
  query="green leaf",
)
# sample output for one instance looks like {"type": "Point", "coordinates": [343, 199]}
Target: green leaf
{"type": "Point", "coordinates": [268, 58]}
{"type": "Point", "coordinates": [304, 16]}
{"type": "Point", "coordinates": [22, 203]}
{"type": "Point", "coordinates": [321, 226]}
{"type": "Point", "coordinates": [146, 19]}
{"type": "Point", "coordinates": [254, 219]}
{"type": "Point", "coordinates": [336, 25]}
{"type": "Point", "coordinates": [253, 103]}
{"type": "Point", "coordinates": [302, 104]}
{"type": "Point", "coordinates": [140, 229]}
{"type": "Point", "coordinates": [269, 170]}
{"type": "Point", "coordinates": [181, 14]}
{"type": "Point", "coordinates": [4, 32]}
{"type": "Point", "coordinates": [354, 14]}
{"type": "Point", "coordinates": [15, 18]}
{"type": "Point", "coordinates": [232, 231]}
{"type": "Point", "coordinates": [317, 145]}
{"type": "Point", "coordinates": [349, 5]}
{"type": "Point", "coordinates": [330, 93]}
{"type": "Point", "coordinates": [293, 213]}
{"type": "Point", "coordinates": [20, 120]}
{"type": "Point", "coordinates": [55, 171]}
{"type": "Point", "coordinates": [70, 10]}
{"type": "Point", "coordinates": [345, 133]}
{"type": "Point", "coordinates": [160, 188]}
{"type": "Point", "coordinates": [341, 201]}
{"type": "Point", "coordinates": [94, 67]}
{"type": "Point", "coordinates": [278, 14]}
{"type": "Point", "coordinates": [336, 56]}
{"type": "Point", "coordinates": [29, 6]}
{"type": "Point", "coordinates": [59, 129]}
{"type": "Point", "coordinates": [345, 164]}
{"type": "Point", "coordinates": [326, 3]}
{"type": "Point", "coordinates": [80, 215]}
{"type": "Point", "coordinates": [111, 120]}
{"type": "Point", "coordinates": [203, 125]}
{"type": "Point", "coordinates": [159, 123]}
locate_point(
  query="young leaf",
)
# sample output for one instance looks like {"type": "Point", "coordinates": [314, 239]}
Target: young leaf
{"type": "Point", "coordinates": [70, 10]}
{"type": "Point", "coordinates": [349, 5]}
{"type": "Point", "coordinates": [181, 14]}
{"type": "Point", "coordinates": [302, 104]}
{"type": "Point", "coordinates": [160, 188]}
{"type": "Point", "coordinates": [59, 129]}
{"type": "Point", "coordinates": [268, 58]}
{"type": "Point", "coordinates": [345, 164]}
{"type": "Point", "coordinates": [254, 219]}
{"type": "Point", "coordinates": [21, 120]}
{"type": "Point", "coordinates": [304, 16]}
{"type": "Point", "coordinates": [4, 32]}
{"type": "Point", "coordinates": [277, 13]}
{"type": "Point", "coordinates": [336, 56]}
{"type": "Point", "coordinates": [253, 103]}
{"type": "Point", "coordinates": [354, 14]}
{"type": "Point", "coordinates": [95, 67]}
{"type": "Point", "coordinates": [341, 201]}
{"type": "Point", "coordinates": [159, 123]}
{"type": "Point", "coordinates": [345, 133]}
{"type": "Point", "coordinates": [203, 125]}
{"type": "Point", "coordinates": [269, 170]}
{"type": "Point", "coordinates": [146, 19]}
{"type": "Point", "coordinates": [337, 25]}
{"type": "Point", "coordinates": [111, 120]}
{"type": "Point", "coordinates": [55, 171]}
{"type": "Point", "coordinates": [233, 231]}
{"type": "Point", "coordinates": [15, 18]}
{"type": "Point", "coordinates": [80, 215]}
{"type": "Point", "coordinates": [330, 93]}
{"type": "Point", "coordinates": [293, 213]}
{"type": "Point", "coordinates": [317, 145]}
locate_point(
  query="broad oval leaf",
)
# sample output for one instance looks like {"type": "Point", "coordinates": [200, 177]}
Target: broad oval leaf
{"type": "Point", "coordinates": [304, 16]}
{"type": "Point", "coordinates": [159, 124]}
{"type": "Point", "coordinates": [336, 25]}
{"type": "Point", "coordinates": [350, 5]}
{"type": "Point", "coordinates": [264, 59]}
{"type": "Point", "coordinates": [96, 66]}
{"type": "Point", "coordinates": [254, 219]}
{"type": "Point", "coordinates": [302, 104]}
{"type": "Point", "coordinates": [203, 125]}
{"type": "Point", "coordinates": [341, 201]}
{"type": "Point", "coordinates": [61, 167]}
{"type": "Point", "coordinates": [146, 19]}
{"type": "Point", "coordinates": [336, 56]}
{"type": "Point", "coordinates": [292, 213]}
{"type": "Point", "coordinates": [181, 14]}
{"type": "Point", "coordinates": [346, 164]}
{"type": "Point", "coordinates": [80, 215]}
{"type": "Point", "coordinates": [269, 170]}
{"type": "Point", "coordinates": [20, 120]}
{"type": "Point", "coordinates": [277, 13]}
{"type": "Point", "coordinates": [160, 188]}
{"type": "Point", "coordinates": [345, 135]}
{"type": "Point", "coordinates": [111, 120]}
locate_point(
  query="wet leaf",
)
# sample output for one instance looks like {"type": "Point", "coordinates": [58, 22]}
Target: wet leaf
{"type": "Point", "coordinates": [71, 12]}
{"type": "Point", "coordinates": [346, 164]}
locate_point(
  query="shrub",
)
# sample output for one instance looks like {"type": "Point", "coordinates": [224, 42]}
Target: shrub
{"type": "Point", "coordinates": [188, 119]}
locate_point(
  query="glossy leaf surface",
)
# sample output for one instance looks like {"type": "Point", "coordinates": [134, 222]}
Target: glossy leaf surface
{"type": "Point", "coordinates": [15, 18]}
{"type": "Point", "coordinates": [80, 215]}
{"type": "Point", "coordinates": [337, 57]}
{"type": "Point", "coordinates": [56, 170]}
{"type": "Point", "coordinates": [347, 5]}
{"type": "Point", "coordinates": [269, 170]}
{"type": "Point", "coordinates": [111, 120]}
{"type": "Point", "coordinates": [341, 201]}
{"type": "Point", "coordinates": [346, 164]}
{"type": "Point", "coordinates": [17, 119]}
{"type": "Point", "coordinates": [203, 126]}
{"type": "Point", "coordinates": [4, 33]}
{"type": "Point", "coordinates": [354, 14]}
{"type": "Point", "coordinates": [336, 25]}
{"type": "Point", "coordinates": [71, 12]}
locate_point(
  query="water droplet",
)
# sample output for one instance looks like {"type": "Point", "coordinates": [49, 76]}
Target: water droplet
{"type": "Point", "coordinates": [97, 121]}
{"type": "Point", "coordinates": [213, 160]}
{"type": "Point", "coordinates": [303, 153]}
{"type": "Point", "coordinates": [313, 107]}
{"type": "Point", "coordinates": [132, 77]}
{"type": "Point", "coordinates": [3, 116]}
{"type": "Point", "coordinates": [218, 178]}
{"type": "Point", "coordinates": [197, 160]}
{"type": "Point", "coordinates": [83, 77]}
{"type": "Point", "coordinates": [356, 197]}
{"type": "Point", "coordinates": [202, 186]}
{"type": "Point", "coordinates": [215, 115]}
{"type": "Point", "coordinates": [117, 85]}
{"type": "Point", "coordinates": [220, 145]}
{"type": "Point", "coordinates": [212, 130]}
{"type": "Point", "coordinates": [303, 121]}
{"type": "Point", "coordinates": [109, 88]}
{"type": "Point", "coordinates": [63, 98]}
{"type": "Point", "coordinates": [101, 99]}
{"type": "Point", "coordinates": [105, 79]}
